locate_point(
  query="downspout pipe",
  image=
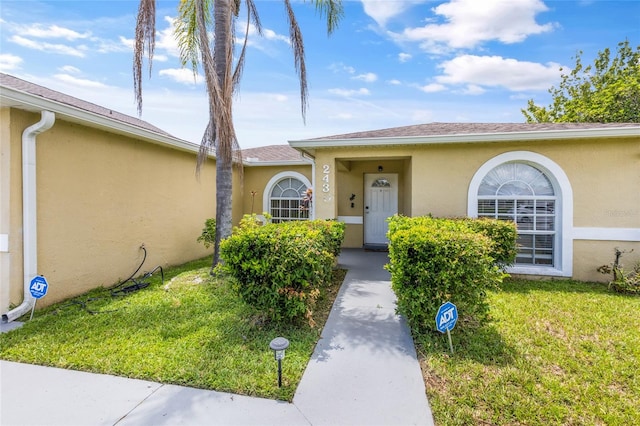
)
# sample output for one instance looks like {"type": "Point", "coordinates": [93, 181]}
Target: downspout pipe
{"type": "Point", "coordinates": [29, 213]}
{"type": "Point", "coordinates": [311, 160]}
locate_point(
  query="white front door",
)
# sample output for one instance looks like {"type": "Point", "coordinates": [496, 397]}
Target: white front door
{"type": "Point", "coordinates": [380, 202]}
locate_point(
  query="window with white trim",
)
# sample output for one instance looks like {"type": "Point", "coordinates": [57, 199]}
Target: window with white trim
{"type": "Point", "coordinates": [524, 194]}
{"type": "Point", "coordinates": [285, 200]}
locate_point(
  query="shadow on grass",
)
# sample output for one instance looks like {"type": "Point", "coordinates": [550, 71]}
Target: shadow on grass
{"type": "Point", "coordinates": [482, 344]}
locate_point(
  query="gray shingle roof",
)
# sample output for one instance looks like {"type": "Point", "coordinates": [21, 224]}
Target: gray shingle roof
{"type": "Point", "coordinates": [18, 84]}
{"type": "Point", "coordinates": [449, 129]}
{"type": "Point", "coordinates": [271, 153]}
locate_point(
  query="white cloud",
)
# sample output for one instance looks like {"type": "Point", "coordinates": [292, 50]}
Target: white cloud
{"type": "Point", "coordinates": [422, 116]}
{"type": "Point", "coordinates": [49, 47]}
{"type": "Point", "coordinates": [473, 89]}
{"type": "Point", "coordinates": [263, 43]}
{"type": "Point", "coordinates": [432, 88]}
{"type": "Point", "coordinates": [382, 11]}
{"type": "Point", "coordinates": [80, 82]}
{"type": "Point", "coordinates": [350, 93]}
{"type": "Point", "coordinates": [52, 31]}
{"type": "Point", "coordinates": [69, 69]}
{"type": "Point", "coordinates": [367, 78]}
{"type": "Point", "coordinates": [469, 23]}
{"type": "Point", "coordinates": [394, 82]}
{"type": "Point", "coordinates": [341, 116]}
{"type": "Point", "coordinates": [165, 39]}
{"type": "Point", "coordinates": [279, 97]}
{"type": "Point", "coordinates": [404, 57]}
{"type": "Point", "coordinates": [182, 75]}
{"type": "Point", "coordinates": [339, 67]}
{"type": "Point", "coordinates": [495, 71]}
{"type": "Point", "coordinates": [9, 62]}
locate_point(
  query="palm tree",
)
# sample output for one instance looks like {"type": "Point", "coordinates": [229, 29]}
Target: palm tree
{"type": "Point", "coordinates": [196, 20]}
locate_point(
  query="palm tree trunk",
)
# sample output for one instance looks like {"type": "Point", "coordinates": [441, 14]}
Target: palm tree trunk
{"type": "Point", "coordinates": [225, 135]}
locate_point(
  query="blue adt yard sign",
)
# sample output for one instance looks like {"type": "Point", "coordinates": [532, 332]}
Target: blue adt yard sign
{"type": "Point", "coordinates": [39, 287]}
{"type": "Point", "coordinates": [446, 319]}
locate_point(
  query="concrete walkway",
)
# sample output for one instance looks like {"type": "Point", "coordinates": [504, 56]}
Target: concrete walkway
{"type": "Point", "coordinates": [364, 371]}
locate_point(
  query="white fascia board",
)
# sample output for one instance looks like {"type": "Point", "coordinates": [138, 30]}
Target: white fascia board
{"type": "Point", "coordinates": [38, 103]}
{"type": "Point", "coordinates": [471, 138]}
{"type": "Point", "coordinates": [275, 163]}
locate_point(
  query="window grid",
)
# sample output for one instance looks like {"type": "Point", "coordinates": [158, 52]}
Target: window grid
{"type": "Point", "coordinates": [529, 202]}
{"type": "Point", "coordinates": [286, 201]}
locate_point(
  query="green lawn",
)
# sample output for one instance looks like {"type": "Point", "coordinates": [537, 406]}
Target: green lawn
{"type": "Point", "coordinates": [192, 330]}
{"type": "Point", "coordinates": [555, 352]}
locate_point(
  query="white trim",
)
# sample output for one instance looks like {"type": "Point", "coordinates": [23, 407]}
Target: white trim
{"type": "Point", "coordinates": [541, 135]}
{"type": "Point", "coordinates": [352, 220]}
{"type": "Point", "coordinates": [607, 234]}
{"type": "Point", "coordinates": [266, 194]}
{"type": "Point", "coordinates": [284, 163]}
{"type": "Point", "coordinates": [13, 98]}
{"type": "Point", "coordinates": [564, 194]}
{"type": "Point", "coordinates": [537, 270]}
{"type": "Point", "coordinates": [4, 243]}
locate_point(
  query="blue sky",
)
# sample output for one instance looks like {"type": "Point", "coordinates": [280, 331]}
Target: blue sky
{"type": "Point", "coordinates": [390, 63]}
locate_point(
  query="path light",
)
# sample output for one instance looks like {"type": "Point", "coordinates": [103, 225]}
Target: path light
{"type": "Point", "coordinates": [278, 346]}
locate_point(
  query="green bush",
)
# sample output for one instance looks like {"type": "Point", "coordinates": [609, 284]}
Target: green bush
{"type": "Point", "coordinates": [281, 268]}
{"type": "Point", "coordinates": [623, 281]}
{"type": "Point", "coordinates": [437, 260]}
{"type": "Point", "coordinates": [504, 235]}
{"type": "Point", "coordinates": [208, 235]}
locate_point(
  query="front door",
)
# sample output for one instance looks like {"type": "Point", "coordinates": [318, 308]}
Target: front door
{"type": "Point", "coordinates": [381, 202]}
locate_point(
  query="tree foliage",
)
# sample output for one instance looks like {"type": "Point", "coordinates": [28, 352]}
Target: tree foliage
{"type": "Point", "coordinates": [607, 91]}
{"type": "Point", "coordinates": [206, 38]}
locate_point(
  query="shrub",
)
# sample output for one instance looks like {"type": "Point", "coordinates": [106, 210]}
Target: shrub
{"type": "Point", "coordinates": [208, 235]}
{"type": "Point", "coordinates": [437, 260]}
{"type": "Point", "coordinates": [504, 235]}
{"type": "Point", "coordinates": [623, 281]}
{"type": "Point", "coordinates": [281, 268]}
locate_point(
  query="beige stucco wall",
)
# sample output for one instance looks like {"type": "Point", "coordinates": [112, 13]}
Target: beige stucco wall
{"type": "Point", "coordinates": [99, 197]}
{"type": "Point", "coordinates": [255, 179]}
{"type": "Point", "coordinates": [604, 176]}
{"type": "Point", "coordinates": [5, 201]}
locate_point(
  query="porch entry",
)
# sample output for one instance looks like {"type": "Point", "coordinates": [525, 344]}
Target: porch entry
{"type": "Point", "coordinates": [380, 202]}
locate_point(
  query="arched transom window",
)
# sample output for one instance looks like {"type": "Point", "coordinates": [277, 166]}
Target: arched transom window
{"type": "Point", "coordinates": [522, 193]}
{"type": "Point", "coordinates": [285, 200]}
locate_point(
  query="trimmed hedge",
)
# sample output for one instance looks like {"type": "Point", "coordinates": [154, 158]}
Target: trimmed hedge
{"type": "Point", "coordinates": [281, 268]}
{"type": "Point", "coordinates": [437, 260]}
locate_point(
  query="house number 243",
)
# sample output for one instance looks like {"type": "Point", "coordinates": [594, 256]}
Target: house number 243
{"type": "Point", "coordinates": [325, 178]}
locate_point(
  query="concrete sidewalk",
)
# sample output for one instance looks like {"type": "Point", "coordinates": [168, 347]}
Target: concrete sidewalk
{"type": "Point", "coordinates": [364, 371]}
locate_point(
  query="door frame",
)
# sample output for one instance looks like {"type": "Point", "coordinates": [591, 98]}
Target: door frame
{"type": "Point", "coordinates": [367, 178]}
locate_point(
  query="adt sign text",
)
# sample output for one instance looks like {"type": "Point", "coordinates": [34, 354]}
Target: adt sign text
{"type": "Point", "coordinates": [446, 317]}
{"type": "Point", "coordinates": [38, 287]}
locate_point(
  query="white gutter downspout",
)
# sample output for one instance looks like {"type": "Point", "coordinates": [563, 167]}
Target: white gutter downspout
{"type": "Point", "coordinates": [311, 160]}
{"type": "Point", "coordinates": [29, 216]}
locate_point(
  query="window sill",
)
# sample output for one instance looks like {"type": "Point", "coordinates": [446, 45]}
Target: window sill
{"type": "Point", "coordinates": [536, 270]}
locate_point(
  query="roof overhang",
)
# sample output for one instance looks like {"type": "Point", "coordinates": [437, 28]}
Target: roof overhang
{"type": "Point", "coordinates": [13, 98]}
{"type": "Point", "coordinates": [311, 145]}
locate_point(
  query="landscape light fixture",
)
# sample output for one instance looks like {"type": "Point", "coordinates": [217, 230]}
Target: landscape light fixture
{"type": "Point", "coordinates": [278, 346]}
{"type": "Point", "coordinates": [380, 169]}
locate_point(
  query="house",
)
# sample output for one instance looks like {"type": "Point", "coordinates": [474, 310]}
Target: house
{"type": "Point", "coordinates": [572, 189]}
{"type": "Point", "coordinates": [84, 188]}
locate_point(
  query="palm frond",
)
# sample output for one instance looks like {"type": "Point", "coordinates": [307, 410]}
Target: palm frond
{"type": "Point", "coordinates": [333, 10]}
{"type": "Point", "coordinates": [145, 41]}
{"type": "Point", "coordinates": [297, 45]}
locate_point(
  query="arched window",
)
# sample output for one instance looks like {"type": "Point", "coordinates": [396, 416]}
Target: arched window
{"type": "Point", "coordinates": [522, 193]}
{"type": "Point", "coordinates": [535, 193]}
{"type": "Point", "coordinates": [284, 195]}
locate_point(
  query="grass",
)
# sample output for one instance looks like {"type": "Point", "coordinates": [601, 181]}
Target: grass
{"type": "Point", "coordinates": [555, 352]}
{"type": "Point", "coordinates": [193, 330]}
